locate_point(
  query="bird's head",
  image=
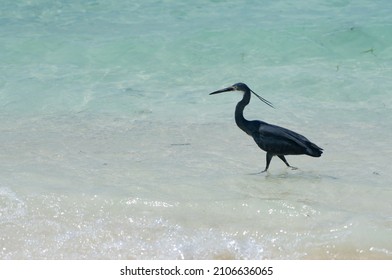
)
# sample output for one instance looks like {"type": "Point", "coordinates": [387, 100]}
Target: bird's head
{"type": "Point", "coordinates": [245, 89]}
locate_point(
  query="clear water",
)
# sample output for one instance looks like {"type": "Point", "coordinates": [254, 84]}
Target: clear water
{"type": "Point", "coordinates": [113, 149]}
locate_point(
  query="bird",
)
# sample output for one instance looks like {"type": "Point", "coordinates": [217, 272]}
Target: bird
{"type": "Point", "coordinates": [274, 140]}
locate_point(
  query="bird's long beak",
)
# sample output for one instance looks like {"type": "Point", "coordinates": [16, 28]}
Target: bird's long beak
{"type": "Point", "coordinates": [223, 90]}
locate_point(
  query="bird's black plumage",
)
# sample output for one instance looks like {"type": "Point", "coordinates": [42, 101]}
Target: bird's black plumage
{"type": "Point", "coordinates": [275, 140]}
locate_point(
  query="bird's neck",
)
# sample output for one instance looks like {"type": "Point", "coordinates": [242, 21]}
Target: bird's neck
{"type": "Point", "coordinates": [239, 113]}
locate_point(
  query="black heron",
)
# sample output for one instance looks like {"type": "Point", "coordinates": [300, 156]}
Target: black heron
{"type": "Point", "coordinates": [275, 140]}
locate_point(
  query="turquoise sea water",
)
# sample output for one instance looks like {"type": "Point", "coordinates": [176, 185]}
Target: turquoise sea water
{"type": "Point", "coordinates": [113, 149]}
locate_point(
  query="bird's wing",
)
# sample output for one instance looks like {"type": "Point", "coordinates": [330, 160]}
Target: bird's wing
{"type": "Point", "coordinates": [276, 134]}
{"type": "Point", "coordinates": [288, 132]}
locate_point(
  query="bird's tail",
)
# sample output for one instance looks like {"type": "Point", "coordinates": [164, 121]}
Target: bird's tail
{"type": "Point", "coordinates": [314, 150]}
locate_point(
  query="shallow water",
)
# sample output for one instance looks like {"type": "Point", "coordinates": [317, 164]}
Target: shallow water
{"type": "Point", "coordinates": [112, 148]}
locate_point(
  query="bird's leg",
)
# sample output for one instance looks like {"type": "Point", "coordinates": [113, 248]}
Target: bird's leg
{"type": "Point", "coordinates": [285, 161]}
{"type": "Point", "coordinates": [268, 159]}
